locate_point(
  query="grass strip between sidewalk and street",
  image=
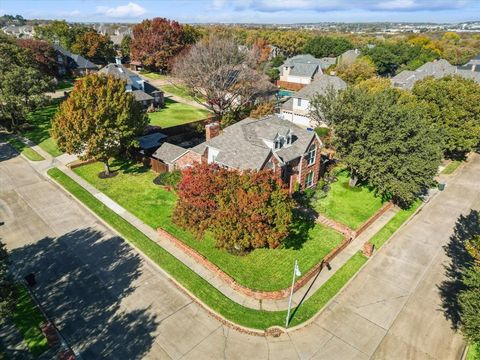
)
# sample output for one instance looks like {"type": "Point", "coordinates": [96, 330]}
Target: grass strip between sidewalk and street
{"type": "Point", "coordinates": [473, 352]}
{"type": "Point", "coordinates": [389, 228]}
{"type": "Point", "coordinates": [203, 290]}
{"type": "Point", "coordinates": [28, 318]}
{"type": "Point", "coordinates": [25, 150]}
{"type": "Point", "coordinates": [451, 167]}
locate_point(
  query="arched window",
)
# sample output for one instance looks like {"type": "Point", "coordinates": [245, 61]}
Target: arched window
{"type": "Point", "coordinates": [311, 155]}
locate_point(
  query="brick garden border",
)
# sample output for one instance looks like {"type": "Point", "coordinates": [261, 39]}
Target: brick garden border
{"type": "Point", "coordinates": [255, 294]}
{"type": "Point", "coordinates": [373, 218]}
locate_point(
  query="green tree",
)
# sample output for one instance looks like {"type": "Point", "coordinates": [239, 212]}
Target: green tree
{"type": "Point", "coordinates": [125, 46]}
{"type": "Point", "coordinates": [7, 285]}
{"type": "Point", "coordinates": [455, 110]}
{"type": "Point", "coordinates": [362, 69]}
{"type": "Point", "coordinates": [393, 57]}
{"type": "Point", "coordinates": [384, 139]}
{"type": "Point", "coordinates": [94, 46]}
{"type": "Point", "coordinates": [61, 31]}
{"type": "Point", "coordinates": [22, 84]}
{"type": "Point", "coordinates": [327, 46]}
{"type": "Point", "coordinates": [469, 301]}
{"type": "Point", "coordinates": [99, 119]}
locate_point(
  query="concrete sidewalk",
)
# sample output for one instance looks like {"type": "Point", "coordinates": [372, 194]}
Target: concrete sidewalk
{"type": "Point", "coordinates": [301, 294]}
{"type": "Point", "coordinates": [111, 304]}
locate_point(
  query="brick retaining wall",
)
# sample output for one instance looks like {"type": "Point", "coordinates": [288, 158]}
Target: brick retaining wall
{"type": "Point", "coordinates": [255, 294]}
{"type": "Point", "coordinates": [374, 218]}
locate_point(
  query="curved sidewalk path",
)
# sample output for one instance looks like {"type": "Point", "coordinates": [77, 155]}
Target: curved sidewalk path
{"type": "Point", "coordinates": [301, 294]}
{"type": "Point", "coordinates": [112, 304]}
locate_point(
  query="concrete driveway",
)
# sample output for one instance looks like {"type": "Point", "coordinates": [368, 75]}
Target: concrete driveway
{"type": "Point", "coordinates": [111, 303]}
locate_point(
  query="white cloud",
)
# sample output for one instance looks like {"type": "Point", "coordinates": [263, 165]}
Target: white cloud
{"type": "Point", "coordinates": [131, 10]}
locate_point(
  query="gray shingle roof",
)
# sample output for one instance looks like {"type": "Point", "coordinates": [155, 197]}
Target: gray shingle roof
{"type": "Point", "coordinates": [141, 95]}
{"type": "Point", "coordinates": [121, 72]}
{"type": "Point", "coordinates": [168, 153]}
{"type": "Point", "coordinates": [438, 69]}
{"type": "Point", "coordinates": [241, 146]}
{"type": "Point", "coordinates": [79, 61]}
{"type": "Point", "coordinates": [307, 65]}
{"type": "Point", "coordinates": [322, 84]}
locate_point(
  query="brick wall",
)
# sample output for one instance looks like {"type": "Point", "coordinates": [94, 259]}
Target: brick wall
{"type": "Point", "coordinates": [189, 158]}
{"type": "Point", "coordinates": [258, 295]}
{"type": "Point", "coordinates": [305, 169]}
{"type": "Point", "coordinates": [289, 85]}
{"type": "Point", "coordinates": [373, 218]}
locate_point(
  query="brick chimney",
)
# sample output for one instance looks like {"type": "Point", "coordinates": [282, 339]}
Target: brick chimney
{"type": "Point", "coordinates": [212, 130]}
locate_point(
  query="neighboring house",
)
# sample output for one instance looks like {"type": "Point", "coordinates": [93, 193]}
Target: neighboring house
{"type": "Point", "coordinates": [348, 57]}
{"type": "Point", "coordinates": [144, 92]}
{"type": "Point", "coordinates": [24, 31]}
{"type": "Point", "coordinates": [472, 65]}
{"type": "Point", "coordinates": [300, 70]}
{"type": "Point", "coordinates": [290, 151]}
{"type": "Point", "coordinates": [75, 64]}
{"type": "Point", "coordinates": [297, 108]}
{"type": "Point", "coordinates": [437, 69]}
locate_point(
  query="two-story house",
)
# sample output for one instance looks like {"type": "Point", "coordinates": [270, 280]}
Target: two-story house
{"type": "Point", "coordinates": [297, 108]}
{"type": "Point", "coordinates": [300, 70]}
{"type": "Point", "coordinates": [142, 90]}
{"type": "Point", "coordinates": [290, 151]}
{"type": "Point", "coordinates": [74, 64]}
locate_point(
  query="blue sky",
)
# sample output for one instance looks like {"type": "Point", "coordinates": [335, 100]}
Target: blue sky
{"type": "Point", "coordinates": [254, 11]}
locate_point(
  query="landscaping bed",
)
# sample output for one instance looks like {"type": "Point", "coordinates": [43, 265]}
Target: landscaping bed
{"type": "Point", "coordinates": [347, 205]}
{"type": "Point", "coordinates": [262, 269]}
{"type": "Point", "coordinates": [39, 132]}
{"type": "Point", "coordinates": [175, 113]}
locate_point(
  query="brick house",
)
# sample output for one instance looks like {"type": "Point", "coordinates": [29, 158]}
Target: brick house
{"type": "Point", "coordinates": [292, 152]}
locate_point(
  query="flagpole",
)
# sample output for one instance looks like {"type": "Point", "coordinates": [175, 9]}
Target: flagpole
{"type": "Point", "coordinates": [291, 294]}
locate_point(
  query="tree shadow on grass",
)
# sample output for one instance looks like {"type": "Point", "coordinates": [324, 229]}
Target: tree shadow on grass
{"type": "Point", "coordinates": [82, 278]}
{"type": "Point", "coordinates": [129, 166]}
{"type": "Point", "coordinates": [303, 222]}
{"type": "Point", "coordinates": [460, 260]}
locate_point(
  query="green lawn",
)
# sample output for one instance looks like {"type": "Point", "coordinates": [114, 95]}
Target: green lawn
{"type": "Point", "coordinates": [40, 130]}
{"type": "Point", "coordinates": [152, 75]}
{"type": "Point", "coordinates": [473, 352]}
{"type": "Point", "coordinates": [29, 153]}
{"type": "Point", "coordinates": [384, 233]}
{"type": "Point", "coordinates": [65, 84]}
{"type": "Point", "coordinates": [349, 206]}
{"type": "Point", "coordinates": [179, 90]}
{"type": "Point", "coordinates": [201, 288]}
{"type": "Point", "coordinates": [175, 113]}
{"type": "Point", "coordinates": [451, 167]}
{"type": "Point", "coordinates": [27, 318]}
{"type": "Point", "coordinates": [262, 269]}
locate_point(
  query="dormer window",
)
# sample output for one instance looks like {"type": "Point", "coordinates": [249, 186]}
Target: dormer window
{"type": "Point", "coordinates": [289, 139]}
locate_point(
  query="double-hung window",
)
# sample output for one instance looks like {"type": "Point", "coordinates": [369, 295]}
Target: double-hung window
{"type": "Point", "coordinates": [309, 179]}
{"type": "Point", "coordinates": [312, 152]}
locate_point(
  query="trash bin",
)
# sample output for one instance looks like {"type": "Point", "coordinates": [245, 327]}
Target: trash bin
{"type": "Point", "coordinates": [441, 186]}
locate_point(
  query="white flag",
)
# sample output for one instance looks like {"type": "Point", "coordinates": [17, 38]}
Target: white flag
{"type": "Point", "coordinates": [297, 270]}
